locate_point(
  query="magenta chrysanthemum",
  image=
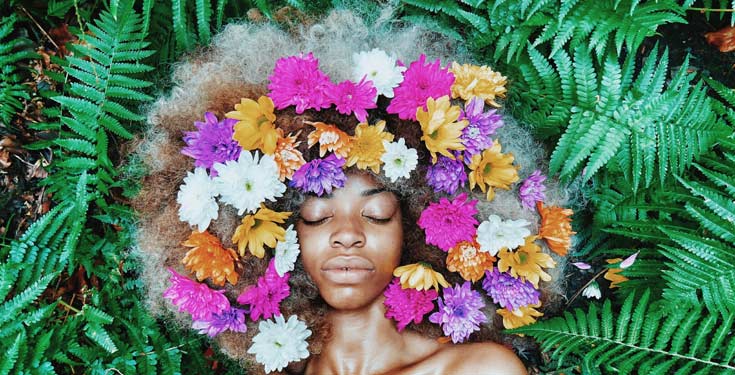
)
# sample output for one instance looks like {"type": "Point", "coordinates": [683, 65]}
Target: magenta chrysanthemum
{"type": "Point", "coordinates": [420, 82]}
{"type": "Point", "coordinates": [508, 291]}
{"type": "Point", "coordinates": [351, 97]}
{"type": "Point", "coordinates": [297, 80]}
{"type": "Point", "coordinates": [447, 223]}
{"type": "Point", "coordinates": [195, 298]}
{"type": "Point", "coordinates": [532, 190]}
{"type": "Point", "coordinates": [476, 136]}
{"type": "Point", "coordinates": [407, 305]}
{"type": "Point", "coordinates": [211, 143]}
{"type": "Point", "coordinates": [459, 312]}
{"type": "Point", "coordinates": [265, 297]}
{"type": "Point", "coordinates": [232, 319]}
{"type": "Point", "coordinates": [446, 175]}
{"type": "Point", "coordinates": [320, 175]}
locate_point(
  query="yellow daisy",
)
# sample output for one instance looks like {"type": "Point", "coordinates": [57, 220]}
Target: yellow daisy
{"type": "Point", "coordinates": [520, 317]}
{"type": "Point", "coordinates": [287, 157]}
{"type": "Point", "coordinates": [492, 169]}
{"type": "Point", "coordinates": [367, 146]}
{"type": "Point", "coordinates": [613, 274]}
{"type": "Point", "coordinates": [256, 129]}
{"type": "Point", "coordinates": [330, 138]}
{"type": "Point", "coordinates": [467, 259]}
{"type": "Point", "coordinates": [526, 262]}
{"type": "Point", "coordinates": [481, 81]}
{"type": "Point", "coordinates": [260, 229]}
{"type": "Point", "coordinates": [419, 276]}
{"type": "Point", "coordinates": [440, 127]}
{"type": "Point", "coordinates": [556, 227]}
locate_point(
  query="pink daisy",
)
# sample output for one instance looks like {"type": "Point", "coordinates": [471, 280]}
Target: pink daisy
{"type": "Point", "coordinates": [352, 97]}
{"type": "Point", "coordinates": [297, 80]}
{"type": "Point", "coordinates": [420, 82]}
{"type": "Point", "coordinates": [265, 297]}
{"type": "Point", "coordinates": [447, 223]}
{"type": "Point", "coordinates": [407, 305]}
{"type": "Point", "coordinates": [195, 298]}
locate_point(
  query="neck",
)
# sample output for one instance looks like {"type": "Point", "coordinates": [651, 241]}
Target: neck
{"type": "Point", "coordinates": [363, 341]}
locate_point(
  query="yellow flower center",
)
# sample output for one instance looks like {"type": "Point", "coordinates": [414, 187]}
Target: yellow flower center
{"type": "Point", "coordinates": [487, 169]}
{"type": "Point", "coordinates": [522, 257]}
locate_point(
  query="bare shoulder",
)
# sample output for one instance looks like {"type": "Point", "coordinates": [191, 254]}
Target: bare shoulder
{"type": "Point", "coordinates": [482, 358]}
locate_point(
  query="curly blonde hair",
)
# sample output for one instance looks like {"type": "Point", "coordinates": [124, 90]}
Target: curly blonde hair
{"type": "Point", "coordinates": [236, 66]}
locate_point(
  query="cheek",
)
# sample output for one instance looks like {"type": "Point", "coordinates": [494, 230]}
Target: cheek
{"type": "Point", "coordinates": [309, 243]}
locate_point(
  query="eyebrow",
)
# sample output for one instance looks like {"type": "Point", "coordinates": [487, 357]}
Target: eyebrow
{"type": "Point", "coordinates": [367, 193]}
{"type": "Point", "coordinates": [364, 193]}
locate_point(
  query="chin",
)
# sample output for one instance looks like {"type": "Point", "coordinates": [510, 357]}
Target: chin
{"type": "Point", "coordinates": [350, 298]}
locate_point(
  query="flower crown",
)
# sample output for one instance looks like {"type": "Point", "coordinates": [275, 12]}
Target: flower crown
{"type": "Point", "coordinates": [246, 160]}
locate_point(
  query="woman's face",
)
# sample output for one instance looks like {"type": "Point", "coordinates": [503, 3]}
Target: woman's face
{"type": "Point", "coordinates": [351, 241]}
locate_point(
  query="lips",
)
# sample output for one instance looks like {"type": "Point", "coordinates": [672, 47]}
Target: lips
{"type": "Point", "coordinates": [348, 269]}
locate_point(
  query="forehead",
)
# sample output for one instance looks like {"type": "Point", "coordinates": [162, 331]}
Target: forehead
{"type": "Point", "coordinates": [356, 186]}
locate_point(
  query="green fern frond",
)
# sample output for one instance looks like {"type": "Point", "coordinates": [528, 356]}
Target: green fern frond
{"type": "Point", "coordinates": [621, 122]}
{"type": "Point", "coordinates": [639, 338]}
{"type": "Point", "coordinates": [13, 53]}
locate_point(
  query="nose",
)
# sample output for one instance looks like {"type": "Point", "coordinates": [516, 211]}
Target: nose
{"type": "Point", "coordinates": [348, 234]}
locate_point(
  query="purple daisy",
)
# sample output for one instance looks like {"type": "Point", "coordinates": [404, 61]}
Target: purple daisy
{"type": "Point", "coordinates": [420, 82]}
{"type": "Point", "coordinates": [212, 142]}
{"type": "Point", "coordinates": [232, 319]}
{"type": "Point", "coordinates": [265, 297]}
{"type": "Point", "coordinates": [446, 175]}
{"type": "Point", "coordinates": [350, 97]}
{"type": "Point", "coordinates": [459, 312]}
{"type": "Point", "coordinates": [320, 175]}
{"type": "Point", "coordinates": [509, 292]}
{"type": "Point", "coordinates": [195, 298]}
{"type": "Point", "coordinates": [297, 80]}
{"type": "Point", "coordinates": [532, 190]}
{"type": "Point", "coordinates": [476, 136]}
{"type": "Point", "coordinates": [447, 223]}
{"type": "Point", "coordinates": [407, 305]}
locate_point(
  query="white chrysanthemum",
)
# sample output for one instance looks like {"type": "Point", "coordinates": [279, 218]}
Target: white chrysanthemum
{"type": "Point", "coordinates": [379, 67]}
{"type": "Point", "coordinates": [398, 160]}
{"type": "Point", "coordinates": [279, 343]}
{"type": "Point", "coordinates": [248, 182]}
{"type": "Point", "coordinates": [286, 252]}
{"type": "Point", "coordinates": [196, 197]}
{"type": "Point", "coordinates": [592, 290]}
{"type": "Point", "coordinates": [495, 234]}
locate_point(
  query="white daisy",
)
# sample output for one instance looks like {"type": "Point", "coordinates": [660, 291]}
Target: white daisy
{"type": "Point", "coordinates": [379, 67]}
{"type": "Point", "coordinates": [286, 252]}
{"type": "Point", "coordinates": [196, 197]}
{"type": "Point", "coordinates": [495, 234]}
{"type": "Point", "coordinates": [592, 290]}
{"type": "Point", "coordinates": [248, 182]}
{"type": "Point", "coordinates": [279, 343]}
{"type": "Point", "coordinates": [398, 160]}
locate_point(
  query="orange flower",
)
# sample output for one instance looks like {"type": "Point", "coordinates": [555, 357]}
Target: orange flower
{"type": "Point", "coordinates": [491, 169]}
{"type": "Point", "coordinates": [520, 317]}
{"type": "Point", "coordinates": [287, 157]}
{"type": "Point", "coordinates": [256, 129]}
{"type": "Point", "coordinates": [330, 138]}
{"type": "Point", "coordinates": [527, 262]}
{"type": "Point", "coordinates": [260, 229]}
{"type": "Point", "coordinates": [613, 274]}
{"type": "Point", "coordinates": [467, 259]}
{"type": "Point", "coordinates": [556, 227]}
{"type": "Point", "coordinates": [208, 258]}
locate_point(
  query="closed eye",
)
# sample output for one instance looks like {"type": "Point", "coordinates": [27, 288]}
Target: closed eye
{"type": "Point", "coordinates": [315, 222]}
{"type": "Point", "coordinates": [377, 220]}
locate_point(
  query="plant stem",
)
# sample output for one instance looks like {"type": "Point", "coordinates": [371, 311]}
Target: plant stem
{"type": "Point", "coordinates": [70, 307]}
{"type": "Point", "coordinates": [703, 10]}
{"type": "Point", "coordinates": [586, 285]}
